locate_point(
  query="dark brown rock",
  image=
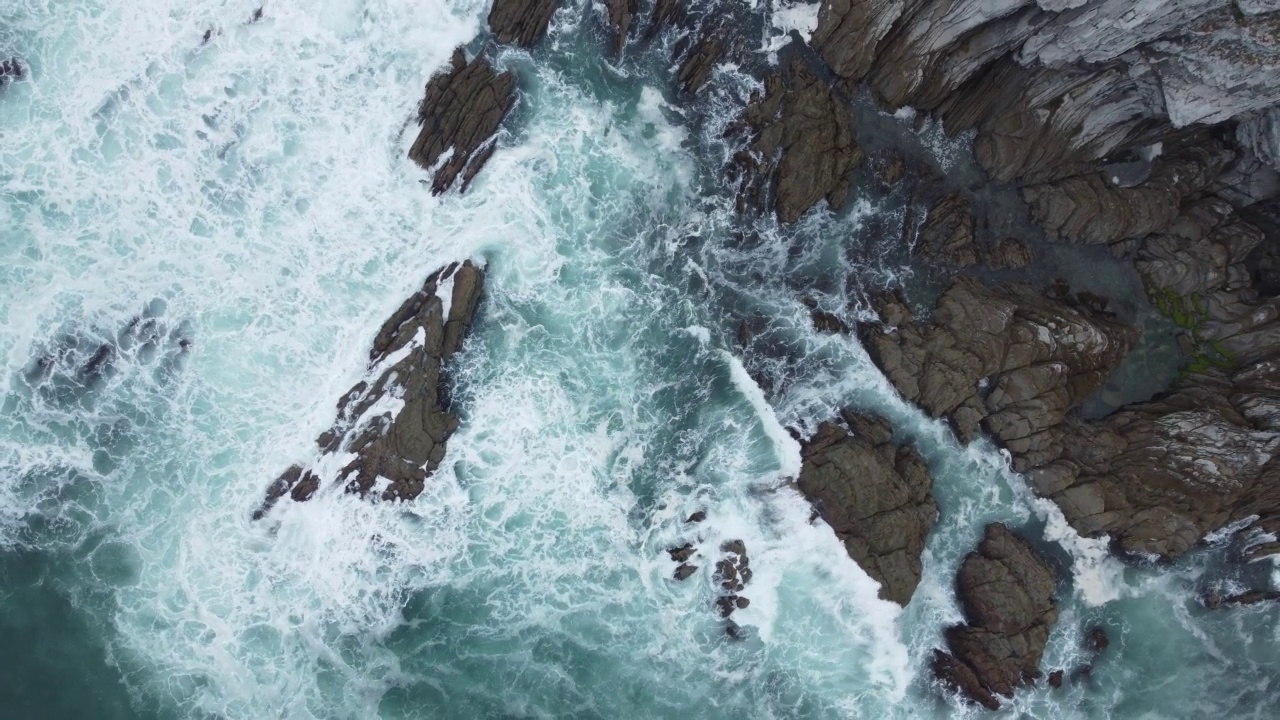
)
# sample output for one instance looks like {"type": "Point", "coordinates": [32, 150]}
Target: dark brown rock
{"type": "Point", "coordinates": [409, 357]}
{"type": "Point", "coordinates": [736, 547]}
{"type": "Point", "coordinates": [1009, 253]}
{"type": "Point", "coordinates": [697, 517]}
{"type": "Point", "coordinates": [726, 605]}
{"type": "Point", "coordinates": [1158, 476]}
{"type": "Point", "coordinates": [876, 496]}
{"type": "Point", "coordinates": [682, 553]}
{"type": "Point", "coordinates": [1006, 592]}
{"type": "Point", "coordinates": [1055, 679]}
{"type": "Point", "coordinates": [1010, 361]}
{"type": "Point", "coordinates": [11, 69]}
{"type": "Point", "coordinates": [799, 146]}
{"type": "Point", "coordinates": [621, 13]}
{"type": "Point", "coordinates": [460, 114]}
{"type": "Point", "coordinates": [521, 22]}
{"type": "Point", "coordinates": [947, 235]}
{"type": "Point", "coordinates": [685, 571]}
{"type": "Point", "coordinates": [1096, 639]}
{"type": "Point", "coordinates": [741, 602]}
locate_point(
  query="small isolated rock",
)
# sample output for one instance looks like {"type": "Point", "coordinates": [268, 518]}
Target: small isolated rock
{"type": "Point", "coordinates": [1055, 679]}
{"type": "Point", "coordinates": [685, 571]}
{"type": "Point", "coordinates": [726, 605]}
{"type": "Point", "coordinates": [697, 517]}
{"type": "Point", "coordinates": [734, 546]}
{"type": "Point", "coordinates": [893, 170]}
{"type": "Point", "coordinates": [682, 553]}
{"type": "Point", "coordinates": [741, 602]}
{"type": "Point", "coordinates": [1096, 640]}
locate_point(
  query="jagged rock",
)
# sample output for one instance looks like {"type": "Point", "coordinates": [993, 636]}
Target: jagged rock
{"type": "Point", "coordinates": [698, 56]}
{"type": "Point", "coordinates": [682, 553]}
{"type": "Point", "coordinates": [741, 602]}
{"type": "Point", "coordinates": [737, 547]}
{"type": "Point", "coordinates": [1006, 592]}
{"type": "Point", "coordinates": [1055, 679]}
{"type": "Point", "coordinates": [1158, 476]}
{"type": "Point", "coordinates": [407, 364]}
{"type": "Point", "coordinates": [1053, 85]}
{"type": "Point", "coordinates": [621, 13]}
{"type": "Point", "coordinates": [460, 114]}
{"type": "Point", "coordinates": [1009, 253]}
{"type": "Point", "coordinates": [697, 517]}
{"type": "Point", "coordinates": [522, 22]}
{"type": "Point", "coordinates": [947, 235]}
{"type": "Point", "coordinates": [685, 571]}
{"type": "Point", "coordinates": [876, 495]}
{"type": "Point", "coordinates": [1010, 361]}
{"type": "Point", "coordinates": [1092, 209]}
{"type": "Point", "coordinates": [1199, 272]}
{"type": "Point", "coordinates": [800, 147]}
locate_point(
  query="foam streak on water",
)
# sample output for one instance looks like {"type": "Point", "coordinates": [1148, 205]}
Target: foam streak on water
{"type": "Point", "coordinates": [234, 219]}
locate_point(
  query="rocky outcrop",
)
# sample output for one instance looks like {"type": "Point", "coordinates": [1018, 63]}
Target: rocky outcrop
{"type": "Point", "coordinates": [1094, 209]}
{"type": "Point", "coordinates": [396, 423]}
{"type": "Point", "coordinates": [620, 14]}
{"type": "Point", "coordinates": [1158, 476]}
{"type": "Point", "coordinates": [463, 108]}
{"type": "Point", "coordinates": [800, 147]}
{"type": "Point", "coordinates": [1214, 600]}
{"type": "Point", "coordinates": [1006, 593]}
{"type": "Point", "coordinates": [1050, 84]}
{"type": "Point", "coordinates": [1201, 271]}
{"type": "Point", "coordinates": [521, 22]}
{"type": "Point", "coordinates": [947, 235]}
{"type": "Point", "coordinates": [877, 497]}
{"type": "Point", "coordinates": [1010, 361]}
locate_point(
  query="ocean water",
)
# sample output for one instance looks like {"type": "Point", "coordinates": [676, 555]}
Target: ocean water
{"type": "Point", "coordinates": [234, 219]}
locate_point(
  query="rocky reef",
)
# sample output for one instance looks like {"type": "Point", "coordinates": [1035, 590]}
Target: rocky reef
{"type": "Point", "coordinates": [461, 112]}
{"type": "Point", "coordinates": [395, 424]}
{"type": "Point", "coordinates": [875, 494]}
{"type": "Point", "coordinates": [1006, 592]}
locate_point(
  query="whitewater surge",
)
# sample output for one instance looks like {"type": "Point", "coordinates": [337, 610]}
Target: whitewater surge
{"type": "Point", "coordinates": [237, 217]}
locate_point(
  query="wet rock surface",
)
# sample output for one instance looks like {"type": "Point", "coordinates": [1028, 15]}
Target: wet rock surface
{"type": "Point", "coordinates": [460, 115]}
{"type": "Point", "coordinates": [799, 146]}
{"type": "Point", "coordinates": [1006, 592]}
{"type": "Point", "coordinates": [1158, 476]}
{"type": "Point", "coordinates": [521, 22]}
{"type": "Point", "coordinates": [397, 422]}
{"type": "Point", "coordinates": [877, 497]}
{"type": "Point", "coordinates": [1010, 361]}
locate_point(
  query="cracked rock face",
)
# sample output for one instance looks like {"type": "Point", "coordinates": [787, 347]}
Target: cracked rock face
{"type": "Point", "coordinates": [1006, 592]}
{"type": "Point", "coordinates": [1050, 84]}
{"type": "Point", "coordinates": [800, 147]}
{"type": "Point", "coordinates": [521, 22]}
{"type": "Point", "coordinates": [463, 108]}
{"type": "Point", "coordinates": [876, 495]}
{"type": "Point", "coordinates": [396, 422]}
{"type": "Point", "coordinates": [1158, 476]}
{"type": "Point", "coordinates": [1010, 361]}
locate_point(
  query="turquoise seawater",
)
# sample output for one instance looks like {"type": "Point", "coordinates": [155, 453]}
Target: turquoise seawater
{"type": "Point", "coordinates": [235, 219]}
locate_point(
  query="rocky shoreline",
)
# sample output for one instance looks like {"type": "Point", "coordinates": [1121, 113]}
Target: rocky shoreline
{"type": "Point", "coordinates": [1147, 129]}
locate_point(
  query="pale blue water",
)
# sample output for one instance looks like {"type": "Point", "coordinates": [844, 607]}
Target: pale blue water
{"type": "Point", "coordinates": [251, 197]}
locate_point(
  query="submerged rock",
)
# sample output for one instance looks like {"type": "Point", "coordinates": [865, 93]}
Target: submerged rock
{"type": "Point", "coordinates": [1006, 592]}
{"type": "Point", "coordinates": [460, 114]}
{"type": "Point", "coordinates": [10, 70]}
{"type": "Point", "coordinates": [1214, 600]}
{"type": "Point", "coordinates": [397, 426]}
{"type": "Point", "coordinates": [800, 147]}
{"type": "Point", "coordinates": [876, 496]}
